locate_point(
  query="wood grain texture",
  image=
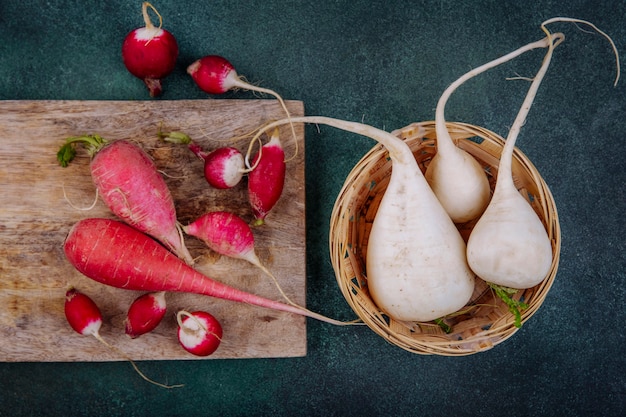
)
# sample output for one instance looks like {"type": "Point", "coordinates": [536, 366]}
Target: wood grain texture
{"type": "Point", "coordinates": [36, 216]}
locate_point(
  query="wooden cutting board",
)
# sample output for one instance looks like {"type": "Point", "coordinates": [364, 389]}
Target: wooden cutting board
{"type": "Point", "coordinates": [41, 200]}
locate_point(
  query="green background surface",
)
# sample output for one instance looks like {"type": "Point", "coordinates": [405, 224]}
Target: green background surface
{"type": "Point", "coordinates": [386, 63]}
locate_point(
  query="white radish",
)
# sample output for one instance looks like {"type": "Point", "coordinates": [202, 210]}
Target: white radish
{"type": "Point", "coordinates": [456, 177]}
{"type": "Point", "coordinates": [509, 245]}
{"type": "Point", "coordinates": [416, 265]}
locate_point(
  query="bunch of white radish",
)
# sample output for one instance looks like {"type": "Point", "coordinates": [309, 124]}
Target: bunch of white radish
{"type": "Point", "coordinates": [417, 264]}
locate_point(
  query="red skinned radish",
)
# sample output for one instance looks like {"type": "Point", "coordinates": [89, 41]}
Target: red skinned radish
{"type": "Point", "coordinates": [223, 167]}
{"type": "Point", "coordinates": [129, 183]}
{"type": "Point", "coordinates": [266, 178]}
{"type": "Point", "coordinates": [150, 53]}
{"type": "Point", "coordinates": [145, 314]}
{"type": "Point", "coordinates": [115, 254]}
{"type": "Point", "coordinates": [84, 316]}
{"type": "Point", "coordinates": [199, 332]}
{"type": "Point", "coordinates": [229, 235]}
{"type": "Point", "coordinates": [216, 75]}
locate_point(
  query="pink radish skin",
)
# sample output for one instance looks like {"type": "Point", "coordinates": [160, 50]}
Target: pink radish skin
{"type": "Point", "coordinates": [199, 333]}
{"type": "Point", "coordinates": [115, 254]}
{"type": "Point", "coordinates": [84, 316]}
{"type": "Point", "coordinates": [229, 235]}
{"type": "Point", "coordinates": [149, 53]}
{"type": "Point", "coordinates": [216, 75]}
{"type": "Point", "coordinates": [267, 179]}
{"type": "Point", "coordinates": [145, 314]}
{"type": "Point", "coordinates": [130, 185]}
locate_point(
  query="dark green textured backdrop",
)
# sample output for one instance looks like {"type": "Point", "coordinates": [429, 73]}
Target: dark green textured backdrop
{"type": "Point", "coordinates": [384, 62]}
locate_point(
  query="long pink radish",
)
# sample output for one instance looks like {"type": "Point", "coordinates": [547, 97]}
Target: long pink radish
{"type": "Point", "coordinates": [129, 183]}
{"type": "Point", "coordinates": [84, 316]}
{"type": "Point", "coordinates": [229, 235]}
{"type": "Point", "coordinates": [115, 254]}
{"type": "Point", "coordinates": [267, 178]}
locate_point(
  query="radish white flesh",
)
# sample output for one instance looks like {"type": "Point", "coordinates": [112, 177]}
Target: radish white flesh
{"type": "Point", "coordinates": [84, 316]}
{"type": "Point", "coordinates": [457, 179]}
{"type": "Point", "coordinates": [199, 332]}
{"type": "Point", "coordinates": [509, 245]}
{"type": "Point", "coordinates": [416, 265]}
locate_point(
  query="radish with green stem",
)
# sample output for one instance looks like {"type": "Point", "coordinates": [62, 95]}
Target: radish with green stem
{"type": "Point", "coordinates": [145, 313]}
{"type": "Point", "coordinates": [84, 316]}
{"type": "Point", "coordinates": [456, 177]}
{"type": "Point", "coordinates": [115, 254]}
{"type": "Point", "coordinates": [150, 52]}
{"type": "Point", "coordinates": [509, 245]}
{"type": "Point", "coordinates": [129, 183]}
{"type": "Point", "coordinates": [199, 332]}
{"type": "Point", "coordinates": [229, 235]}
{"type": "Point", "coordinates": [415, 264]}
{"type": "Point", "coordinates": [224, 167]}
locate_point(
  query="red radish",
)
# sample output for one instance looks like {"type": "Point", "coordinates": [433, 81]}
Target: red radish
{"type": "Point", "coordinates": [82, 313]}
{"type": "Point", "coordinates": [216, 75]}
{"type": "Point", "coordinates": [115, 254]}
{"type": "Point", "coordinates": [229, 235]}
{"type": "Point", "coordinates": [131, 186]}
{"type": "Point", "coordinates": [145, 314]}
{"type": "Point", "coordinates": [150, 52]}
{"type": "Point", "coordinates": [199, 332]}
{"type": "Point", "coordinates": [223, 167]}
{"type": "Point", "coordinates": [267, 178]}
{"type": "Point", "coordinates": [85, 318]}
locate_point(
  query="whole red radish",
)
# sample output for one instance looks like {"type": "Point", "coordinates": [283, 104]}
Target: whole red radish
{"type": "Point", "coordinates": [115, 254]}
{"type": "Point", "coordinates": [267, 178]}
{"type": "Point", "coordinates": [84, 316]}
{"type": "Point", "coordinates": [199, 332]}
{"type": "Point", "coordinates": [145, 314]}
{"type": "Point", "coordinates": [223, 167]}
{"type": "Point", "coordinates": [150, 52]}
{"type": "Point", "coordinates": [129, 183]}
{"type": "Point", "coordinates": [82, 313]}
{"type": "Point", "coordinates": [229, 235]}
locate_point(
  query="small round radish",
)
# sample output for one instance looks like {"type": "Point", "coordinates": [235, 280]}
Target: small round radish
{"type": "Point", "coordinates": [267, 178]}
{"type": "Point", "coordinates": [150, 52]}
{"type": "Point", "coordinates": [145, 314]}
{"type": "Point", "coordinates": [223, 167]}
{"type": "Point", "coordinates": [85, 318]}
{"type": "Point", "coordinates": [199, 332]}
{"type": "Point", "coordinates": [82, 313]}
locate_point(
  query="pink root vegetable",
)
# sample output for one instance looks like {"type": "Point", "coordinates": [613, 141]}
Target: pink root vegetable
{"type": "Point", "coordinates": [229, 235]}
{"type": "Point", "coordinates": [145, 314]}
{"type": "Point", "coordinates": [128, 182]}
{"type": "Point", "coordinates": [199, 332]}
{"type": "Point", "coordinates": [115, 254]}
{"type": "Point", "coordinates": [223, 167]}
{"type": "Point", "coordinates": [267, 178]}
{"type": "Point", "coordinates": [84, 316]}
{"type": "Point", "coordinates": [150, 52]}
